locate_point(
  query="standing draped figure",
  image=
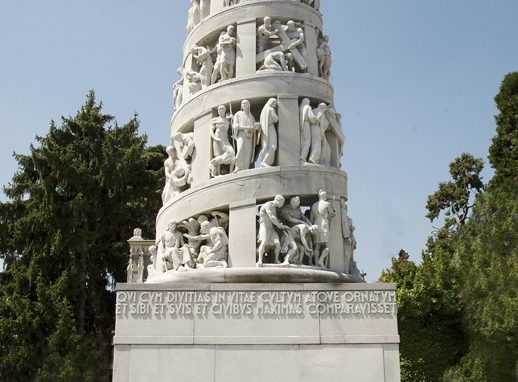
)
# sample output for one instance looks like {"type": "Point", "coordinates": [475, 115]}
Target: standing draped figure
{"type": "Point", "coordinates": [245, 133]}
{"type": "Point", "coordinates": [321, 214]}
{"type": "Point", "coordinates": [268, 133]}
{"type": "Point", "coordinates": [193, 16]}
{"type": "Point", "coordinates": [306, 119]}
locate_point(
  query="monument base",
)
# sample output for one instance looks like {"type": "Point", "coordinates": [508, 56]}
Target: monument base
{"type": "Point", "coordinates": [256, 332]}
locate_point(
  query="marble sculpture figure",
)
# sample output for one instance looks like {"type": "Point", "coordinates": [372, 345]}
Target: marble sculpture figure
{"type": "Point", "coordinates": [202, 56]}
{"type": "Point", "coordinates": [224, 153]}
{"type": "Point", "coordinates": [321, 214]}
{"type": "Point", "coordinates": [266, 34]}
{"type": "Point", "coordinates": [226, 60]}
{"type": "Point", "coordinates": [244, 131]}
{"type": "Point", "coordinates": [268, 133]}
{"type": "Point", "coordinates": [268, 238]}
{"type": "Point", "coordinates": [193, 16]}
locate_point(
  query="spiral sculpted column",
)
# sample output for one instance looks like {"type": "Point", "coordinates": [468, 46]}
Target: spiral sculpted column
{"type": "Point", "coordinates": [251, 275]}
{"type": "Point", "coordinates": [253, 179]}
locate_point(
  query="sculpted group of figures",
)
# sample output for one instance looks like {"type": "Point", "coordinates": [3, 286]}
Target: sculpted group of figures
{"type": "Point", "coordinates": [285, 229]}
{"type": "Point", "coordinates": [240, 141]}
{"type": "Point", "coordinates": [250, 139]}
{"type": "Point", "coordinates": [286, 234]}
{"type": "Point", "coordinates": [195, 243]}
{"type": "Point", "coordinates": [280, 47]}
{"type": "Point", "coordinates": [210, 70]}
{"type": "Point", "coordinates": [303, 238]}
{"type": "Point", "coordinates": [177, 167]}
{"type": "Point", "coordinates": [314, 124]}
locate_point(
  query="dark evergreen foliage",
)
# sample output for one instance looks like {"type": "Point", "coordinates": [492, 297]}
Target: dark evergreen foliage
{"type": "Point", "coordinates": [458, 309]}
{"type": "Point", "coordinates": [72, 204]}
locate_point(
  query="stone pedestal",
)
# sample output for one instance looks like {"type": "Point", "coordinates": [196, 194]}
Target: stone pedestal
{"type": "Point", "coordinates": [256, 332]}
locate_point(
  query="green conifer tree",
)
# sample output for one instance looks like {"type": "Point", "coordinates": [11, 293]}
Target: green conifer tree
{"type": "Point", "coordinates": [72, 204]}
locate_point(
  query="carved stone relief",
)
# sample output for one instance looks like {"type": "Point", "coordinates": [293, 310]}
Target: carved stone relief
{"type": "Point", "coordinates": [222, 150]}
{"type": "Point", "coordinates": [321, 214]}
{"type": "Point", "coordinates": [268, 238]}
{"type": "Point", "coordinates": [349, 242]}
{"type": "Point", "coordinates": [324, 57]}
{"type": "Point", "coordinates": [211, 63]}
{"type": "Point", "coordinates": [245, 132]}
{"type": "Point", "coordinates": [177, 166]}
{"type": "Point", "coordinates": [268, 134]}
{"type": "Point", "coordinates": [202, 55]}
{"type": "Point", "coordinates": [316, 126]}
{"type": "Point", "coordinates": [195, 243]}
{"type": "Point", "coordinates": [225, 66]}
{"type": "Point", "coordinates": [286, 232]}
{"type": "Point", "coordinates": [193, 16]}
{"type": "Point", "coordinates": [274, 38]}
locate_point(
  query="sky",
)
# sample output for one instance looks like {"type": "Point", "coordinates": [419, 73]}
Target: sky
{"type": "Point", "coordinates": [414, 81]}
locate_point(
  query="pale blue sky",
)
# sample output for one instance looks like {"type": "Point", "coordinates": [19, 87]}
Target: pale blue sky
{"type": "Point", "coordinates": [414, 80]}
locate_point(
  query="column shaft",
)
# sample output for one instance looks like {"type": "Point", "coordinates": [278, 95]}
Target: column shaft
{"type": "Point", "coordinates": [289, 131]}
{"type": "Point", "coordinates": [242, 234]}
{"type": "Point", "coordinates": [246, 47]}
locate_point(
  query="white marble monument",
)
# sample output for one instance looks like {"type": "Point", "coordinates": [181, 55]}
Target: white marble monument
{"type": "Point", "coordinates": [252, 274]}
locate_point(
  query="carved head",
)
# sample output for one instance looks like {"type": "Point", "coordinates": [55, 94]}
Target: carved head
{"type": "Point", "coordinates": [326, 38]}
{"type": "Point", "coordinates": [322, 195]}
{"type": "Point", "coordinates": [205, 227]}
{"type": "Point", "coordinates": [245, 105]}
{"type": "Point", "coordinates": [291, 25]}
{"type": "Point", "coordinates": [272, 102]}
{"type": "Point", "coordinates": [268, 21]}
{"type": "Point", "coordinates": [202, 218]}
{"type": "Point", "coordinates": [170, 151]}
{"type": "Point", "coordinates": [231, 30]}
{"type": "Point", "coordinates": [137, 232]}
{"type": "Point", "coordinates": [305, 102]}
{"type": "Point", "coordinates": [222, 111]}
{"type": "Point", "coordinates": [279, 201]}
{"type": "Point", "coordinates": [171, 225]}
{"type": "Point", "coordinates": [295, 202]}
